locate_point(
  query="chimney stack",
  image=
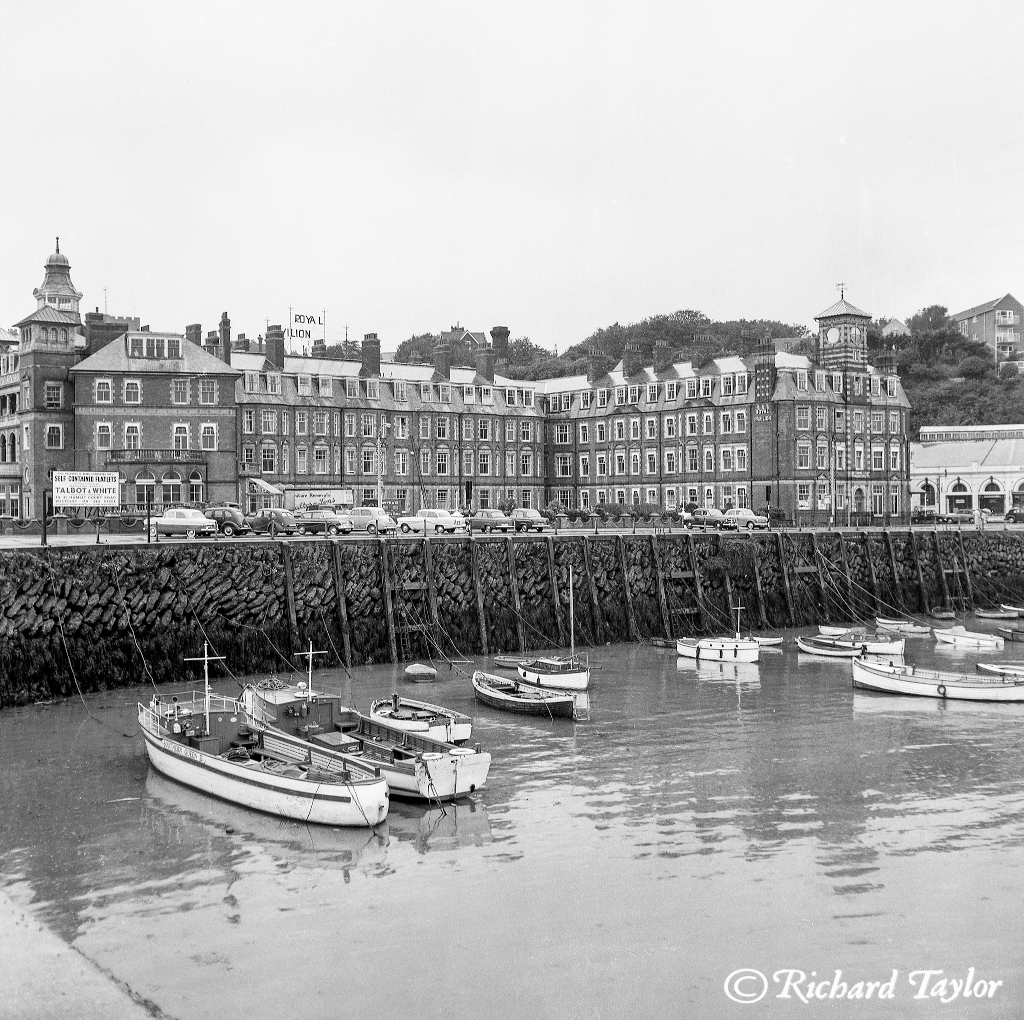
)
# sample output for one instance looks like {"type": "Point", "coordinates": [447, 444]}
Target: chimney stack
{"type": "Point", "coordinates": [194, 334]}
{"type": "Point", "coordinates": [499, 343]}
{"type": "Point", "coordinates": [443, 360]}
{"type": "Point", "coordinates": [275, 346]}
{"type": "Point", "coordinates": [632, 360]}
{"type": "Point", "coordinates": [662, 354]}
{"type": "Point", "coordinates": [240, 343]}
{"type": "Point", "coordinates": [225, 337]}
{"type": "Point", "coordinates": [371, 355]}
{"type": "Point", "coordinates": [485, 360]}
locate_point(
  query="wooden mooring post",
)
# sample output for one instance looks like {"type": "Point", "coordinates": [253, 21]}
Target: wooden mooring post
{"type": "Point", "coordinates": [942, 567]}
{"type": "Point", "coordinates": [388, 595]}
{"type": "Point", "coordinates": [920, 573]}
{"type": "Point", "coordinates": [289, 595]}
{"type": "Point", "coordinates": [787, 590]}
{"type": "Point", "coordinates": [897, 588]}
{"type": "Point", "coordinates": [342, 601]}
{"type": "Point", "coordinates": [428, 569]}
{"type": "Point", "coordinates": [659, 579]}
{"type": "Point", "coordinates": [967, 573]}
{"type": "Point", "coordinates": [600, 633]}
{"type": "Point", "coordinates": [481, 615]}
{"type": "Point", "coordinates": [555, 601]}
{"type": "Point", "coordinates": [866, 540]}
{"type": "Point", "coordinates": [757, 583]}
{"type": "Point", "coordinates": [634, 633]}
{"type": "Point", "coordinates": [513, 581]}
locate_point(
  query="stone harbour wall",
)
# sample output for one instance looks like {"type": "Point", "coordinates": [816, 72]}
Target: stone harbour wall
{"type": "Point", "coordinates": [107, 616]}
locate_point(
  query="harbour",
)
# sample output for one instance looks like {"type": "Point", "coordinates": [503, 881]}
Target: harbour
{"type": "Point", "coordinates": [707, 818]}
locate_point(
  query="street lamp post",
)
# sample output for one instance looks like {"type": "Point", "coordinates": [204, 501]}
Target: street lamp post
{"type": "Point", "coordinates": [381, 451]}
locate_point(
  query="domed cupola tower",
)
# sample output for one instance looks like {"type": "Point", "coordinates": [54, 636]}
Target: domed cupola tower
{"type": "Point", "coordinates": [842, 335]}
{"type": "Point", "coordinates": [57, 290]}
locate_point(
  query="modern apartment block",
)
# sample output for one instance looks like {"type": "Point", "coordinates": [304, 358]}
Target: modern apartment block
{"type": "Point", "coordinates": [995, 323]}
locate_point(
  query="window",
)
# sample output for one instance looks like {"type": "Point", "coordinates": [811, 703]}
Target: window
{"type": "Point", "coordinates": [821, 457]}
{"type": "Point", "coordinates": [819, 381]}
{"type": "Point", "coordinates": [135, 347]}
{"type": "Point", "coordinates": [671, 392]}
{"type": "Point", "coordinates": [369, 422]}
{"type": "Point", "coordinates": [441, 428]}
{"type": "Point", "coordinates": [510, 463]}
{"type": "Point", "coordinates": [467, 462]}
{"type": "Point", "coordinates": [442, 462]}
{"type": "Point", "coordinates": [350, 460]}
{"type": "Point", "coordinates": [132, 436]}
{"type": "Point", "coordinates": [320, 423]}
{"type": "Point", "coordinates": [104, 392]}
{"type": "Point", "coordinates": [584, 432]}
{"type": "Point", "coordinates": [840, 421]}
{"type": "Point", "coordinates": [351, 389]}
{"type": "Point", "coordinates": [561, 434]}
{"type": "Point", "coordinates": [803, 495]}
{"type": "Point", "coordinates": [179, 391]}
{"type": "Point", "coordinates": [369, 460]}
{"type": "Point", "coordinates": [652, 393]}
{"type": "Point", "coordinates": [709, 423]}
{"type": "Point", "coordinates": [803, 455]}
{"type": "Point", "coordinates": [620, 429]}
{"type": "Point", "coordinates": [741, 383]}
{"type": "Point", "coordinates": [602, 432]}
{"type": "Point", "coordinates": [274, 385]}
{"type": "Point", "coordinates": [179, 437]}
{"type": "Point", "coordinates": [103, 435]}
{"type": "Point", "coordinates": [741, 459]}
{"type": "Point", "coordinates": [173, 347]}
{"type": "Point", "coordinates": [445, 393]}
{"type": "Point", "coordinates": [726, 385]}
{"type": "Point", "coordinates": [634, 428]}
{"type": "Point", "coordinates": [803, 418]}
{"type": "Point", "coordinates": [691, 424]}
{"type": "Point", "coordinates": [620, 396]}
{"type": "Point", "coordinates": [302, 460]}
{"type": "Point", "coordinates": [877, 459]}
{"type": "Point", "coordinates": [705, 386]}
{"type": "Point", "coordinates": [154, 346]}
{"type": "Point", "coordinates": [132, 391]}
{"type": "Point", "coordinates": [469, 395]}
{"type": "Point", "coordinates": [692, 459]}
{"type": "Point", "coordinates": [401, 391]}
{"type": "Point", "coordinates": [426, 392]}
{"type": "Point", "coordinates": [741, 421]}
{"type": "Point", "coordinates": [670, 461]}
{"type": "Point", "coordinates": [876, 421]}
{"type": "Point", "coordinates": [584, 465]}
{"type": "Point", "coordinates": [709, 459]}
{"type": "Point", "coordinates": [305, 385]}
{"type": "Point", "coordinates": [837, 382]}
{"type": "Point", "coordinates": [526, 464]}
{"type": "Point", "coordinates": [894, 422]}
{"type": "Point", "coordinates": [634, 394]}
{"type": "Point", "coordinates": [525, 430]}
{"type": "Point", "coordinates": [691, 389]}
{"type": "Point", "coordinates": [483, 462]}
{"type": "Point", "coordinates": [602, 464]}
{"type": "Point", "coordinates": [895, 498]}
{"type": "Point", "coordinates": [876, 386]}
{"type": "Point", "coordinates": [670, 427]}
{"type": "Point", "coordinates": [510, 430]}
{"type": "Point", "coordinates": [563, 465]}
{"type": "Point", "coordinates": [894, 458]}
{"type": "Point", "coordinates": [208, 436]}
{"type": "Point", "coordinates": [620, 463]}
{"type": "Point", "coordinates": [726, 459]}
{"type": "Point", "coordinates": [401, 462]}
{"type": "Point", "coordinates": [801, 380]}
{"type": "Point", "coordinates": [268, 458]}
{"type": "Point", "coordinates": [249, 421]}
{"type": "Point", "coordinates": [821, 418]}
{"type": "Point", "coordinates": [585, 398]}
{"type": "Point", "coordinates": [858, 459]}
{"type": "Point", "coordinates": [208, 391]}
{"type": "Point", "coordinates": [726, 422]}
{"type": "Point", "coordinates": [858, 421]}
{"type": "Point", "coordinates": [301, 423]}
{"type": "Point", "coordinates": [858, 385]}
{"type": "Point", "coordinates": [337, 423]}
{"type": "Point", "coordinates": [602, 398]}
{"type": "Point", "coordinates": [321, 459]}
{"type": "Point", "coordinates": [840, 458]}
{"type": "Point", "coordinates": [652, 462]}
{"type": "Point", "coordinates": [268, 422]}
{"type": "Point", "coordinates": [877, 499]}
{"type": "Point", "coordinates": [634, 464]}
{"type": "Point", "coordinates": [652, 428]}
{"type": "Point", "coordinates": [467, 430]}
{"type": "Point", "coordinates": [252, 382]}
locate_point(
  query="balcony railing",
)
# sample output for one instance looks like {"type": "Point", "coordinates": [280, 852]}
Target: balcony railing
{"type": "Point", "coordinates": [156, 456]}
{"type": "Point", "coordinates": [246, 470]}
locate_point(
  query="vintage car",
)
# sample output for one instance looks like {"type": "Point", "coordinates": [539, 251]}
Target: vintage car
{"type": "Point", "coordinates": [272, 521]}
{"type": "Point", "coordinates": [707, 517]}
{"type": "Point", "coordinates": [437, 521]}
{"type": "Point", "coordinates": [323, 522]}
{"type": "Point", "coordinates": [183, 521]}
{"type": "Point", "coordinates": [229, 520]}
{"type": "Point", "coordinates": [525, 518]}
{"type": "Point", "coordinates": [491, 520]}
{"type": "Point", "coordinates": [743, 517]}
{"type": "Point", "coordinates": [371, 519]}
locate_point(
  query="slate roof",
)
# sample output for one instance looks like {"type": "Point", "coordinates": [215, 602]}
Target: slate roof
{"type": "Point", "coordinates": [841, 307]}
{"type": "Point", "coordinates": [193, 361]}
{"type": "Point", "coordinates": [956, 455]}
{"type": "Point", "coordinates": [47, 314]}
{"type": "Point", "coordinates": [986, 306]}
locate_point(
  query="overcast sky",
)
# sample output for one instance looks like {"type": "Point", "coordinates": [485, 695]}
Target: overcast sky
{"type": "Point", "coordinates": [552, 167]}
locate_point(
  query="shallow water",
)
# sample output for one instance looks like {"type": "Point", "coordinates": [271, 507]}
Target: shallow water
{"type": "Point", "coordinates": [702, 821]}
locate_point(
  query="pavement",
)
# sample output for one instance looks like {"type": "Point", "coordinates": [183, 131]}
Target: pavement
{"type": "Point", "coordinates": [43, 978]}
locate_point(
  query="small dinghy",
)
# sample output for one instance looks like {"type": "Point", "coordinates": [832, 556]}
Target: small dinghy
{"type": "Point", "coordinates": [1019, 610]}
{"type": "Point", "coordinates": [907, 627]}
{"type": "Point", "coordinates": [418, 673]}
{"type": "Point", "coordinates": [1015, 668]}
{"type": "Point", "coordinates": [767, 642]}
{"type": "Point", "coordinates": [827, 631]}
{"type": "Point", "coordinates": [934, 683]}
{"type": "Point", "coordinates": [938, 613]}
{"type": "Point", "coordinates": [1011, 633]}
{"type": "Point", "coordinates": [968, 638]}
{"type": "Point", "coordinates": [508, 661]}
{"type": "Point", "coordinates": [420, 717]}
{"type": "Point", "coordinates": [720, 649]}
{"type": "Point", "coordinates": [850, 646]}
{"type": "Point", "coordinates": [524, 699]}
{"type": "Point", "coordinates": [996, 614]}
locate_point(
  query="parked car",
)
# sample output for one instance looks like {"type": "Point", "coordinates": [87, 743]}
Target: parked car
{"type": "Point", "coordinates": [491, 520]}
{"type": "Point", "coordinates": [1015, 515]}
{"type": "Point", "coordinates": [185, 522]}
{"type": "Point", "coordinates": [323, 522]}
{"type": "Point", "coordinates": [744, 517]}
{"type": "Point", "coordinates": [706, 517]}
{"type": "Point", "coordinates": [229, 520]}
{"type": "Point", "coordinates": [527, 519]}
{"type": "Point", "coordinates": [272, 521]}
{"type": "Point", "coordinates": [372, 520]}
{"type": "Point", "coordinates": [437, 521]}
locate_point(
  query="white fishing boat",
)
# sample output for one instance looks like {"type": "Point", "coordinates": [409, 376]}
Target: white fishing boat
{"type": "Point", "coordinates": [211, 745]}
{"type": "Point", "coordinates": [558, 673]}
{"type": "Point", "coordinates": [432, 721]}
{"type": "Point", "coordinates": [839, 648]}
{"type": "Point", "coordinates": [1002, 668]}
{"type": "Point", "coordinates": [827, 631]}
{"type": "Point", "coordinates": [907, 627]}
{"type": "Point", "coordinates": [934, 683]}
{"type": "Point", "coordinates": [768, 641]}
{"type": "Point", "coordinates": [996, 614]}
{"type": "Point", "coordinates": [968, 638]}
{"type": "Point", "coordinates": [415, 766]}
{"type": "Point", "coordinates": [720, 649]}
{"type": "Point", "coordinates": [1019, 610]}
{"type": "Point", "coordinates": [523, 699]}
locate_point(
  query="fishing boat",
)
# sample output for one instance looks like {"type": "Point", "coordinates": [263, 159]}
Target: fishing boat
{"type": "Point", "coordinates": [524, 699]}
{"type": "Point", "coordinates": [415, 766]}
{"type": "Point", "coordinates": [1011, 633]}
{"type": "Point", "coordinates": [1019, 610]}
{"type": "Point", "coordinates": [1008, 668]}
{"type": "Point", "coordinates": [996, 614]}
{"type": "Point", "coordinates": [418, 673]}
{"type": "Point", "coordinates": [840, 648]}
{"type": "Point", "coordinates": [421, 717]}
{"type": "Point", "coordinates": [907, 627]}
{"type": "Point", "coordinates": [968, 638]}
{"type": "Point", "coordinates": [509, 661]}
{"type": "Point", "coordinates": [768, 641]}
{"type": "Point", "coordinates": [208, 743]}
{"type": "Point", "coordinates": [720, 649]}
{"type": "Point", "coordinates": [934, 683]}
{"type": "Point", "coordinates": [826, 631]}
{"type": "Point", "coordinates": [938, 613]}
{"type": "Point", "coordinates": [559, 673]}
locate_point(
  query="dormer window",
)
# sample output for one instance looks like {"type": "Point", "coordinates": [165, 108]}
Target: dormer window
{"type": "Point", "coordinates": [135, 349]}
{"type": "Point", "coordinates": [585, 400]}
{"type": "Point", "coordinates": [801, 380]}
{"type": "Point", "coordinates": [652, 393]}
{"type": "Point", "coordinates": [634, 394]}
{"type": "Point", "coordinates": [305, 384]}
{"type": "Point", "coordinates": [325, 386]}
{"type": "Point", "coordinates": [726, 385]}
{"type": "Point", "coordinates": [469, 394]}
{"type": "Point", "coordinates": [252, 382]}
{"type": "Point", "coordinates": [741, 382]}
{"type": "Point", "coordinates": [486, 395]}
{"type": "Point", "coordinates": [273, 382]}
{"type": "Point", "coordinates": [373, 389]}
{"type": "Point", "coordinates": [401, 391]}
{"type": "Point", "coordinates": [155, 347]}
{"type": "Point", "coordinates": [510, 398]}
{"type": "Point", "coordinates": [705, 386]}
{"type": "Point", "coordinates": [691, 389]}
{"type": "Point", "coordinates": [425, 391]}
{"type": "Point", "coordinates": [445, 393]}
{"type": "Point", "coordinates": [173, 347]}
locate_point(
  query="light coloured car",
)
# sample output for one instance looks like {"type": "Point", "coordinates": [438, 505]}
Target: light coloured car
{"type": "Point", "coordinates": [183, 521]}
{"type": "Point", "coordinates": [437, 521]}
{"type": "Point", "coordinates": [744, 517]}
{"type": "Point", "coordinates": [371, 519]}
{"type": "Point", "coordinates": [527, 519]}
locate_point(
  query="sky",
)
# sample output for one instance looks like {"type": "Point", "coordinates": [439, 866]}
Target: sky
{"type": "Point", "coordinates": [401, 168]}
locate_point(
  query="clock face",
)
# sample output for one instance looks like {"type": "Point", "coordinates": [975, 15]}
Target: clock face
{"type": "Point", "coordinates": [832, 336]}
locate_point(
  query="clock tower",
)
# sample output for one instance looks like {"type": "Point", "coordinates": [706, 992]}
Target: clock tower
{"type": "Point", "coordinates": [843, 336]}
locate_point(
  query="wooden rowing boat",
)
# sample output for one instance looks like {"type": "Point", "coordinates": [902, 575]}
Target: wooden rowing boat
{"type": "Point", "coordinates": [1011, 633]}
{"type": "Point", "coordinates": [432, 721]}
{"type": "Point", "coordinates": [968, 638]}
{"type": "Point", "coordinates": [508, 661]}
{"type": "Point", "coordinates": [934, 683]}
{"type": "Point", "coordinates": [996, 614]}
{"type": "Point", "coordinates": [418, 673]}
{"type": "Point", "coordinates": [907, 627]}
{"type": "Point", "coordinates": [209, 743]}
{"type": "Point", "coordinates": [768, 641]}
{"type": "Point", "coordinates": [1001, 668]}
{"type": "Point", "coordinates": [839, 648]}
{"type": "Point", "coordinates": [938, 613]}
{"type": "Point", "coordinates": [523, 699]}
{"type": "Point", "coordinates": [1019, 610]}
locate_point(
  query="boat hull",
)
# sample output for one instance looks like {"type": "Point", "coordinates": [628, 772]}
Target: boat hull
{"type": "Point", "coordinates": [968, 638]}
{"type": "Point", "coordinates": [1001, 668]}
{"type": "Point", "coordinates": [575, 680]}
{"type": "Point", "coordinates": [508, 696]}
{"type": "Point", "coordinates": [1011, 633]}
{"type": "Point", "coordinates": [357, 804]}
{"type": "Point", "coordinates": [718, 649]}
{"type": "Point", "coordinates": [836, 648]}
{"type": "Point", "coordinates": [996, 614]}
{"type": "Point", "coordinates": [933, 683]}
{"type": "Point", "coordinates": [902, 627]}
{"type": "Point", "coordinates": [431, 721]}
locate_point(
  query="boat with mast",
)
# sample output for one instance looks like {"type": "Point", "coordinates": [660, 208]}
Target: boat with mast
{"type": "Point", "coordinates": [720, 649]}
{"type": "Point", "coordinates": [559, 673]}
{"type": "Point", "coordinates": [209, 744]}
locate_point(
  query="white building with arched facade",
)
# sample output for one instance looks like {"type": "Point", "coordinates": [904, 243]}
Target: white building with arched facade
{"type": "Point", "coordinates": [968, 467]}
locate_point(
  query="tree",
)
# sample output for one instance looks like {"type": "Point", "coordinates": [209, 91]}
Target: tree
{"type": "Point", "coordinates": [417, 350]}
{"type": "Point", "coordinates": [975, 367]}
{"type": "Point", "coordinates": [932, 317]}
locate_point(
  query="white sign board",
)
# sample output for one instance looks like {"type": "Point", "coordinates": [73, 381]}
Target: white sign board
{"type": "Point", "coordinates": [85, 488]}
{"type": "Point", "coordinates": [304, 328]}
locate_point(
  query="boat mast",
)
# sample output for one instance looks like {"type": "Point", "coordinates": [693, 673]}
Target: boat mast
{"type": "Point", "coordinates": [205, 660]}
{"type": "Point", "coordinates": [308, 656]}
